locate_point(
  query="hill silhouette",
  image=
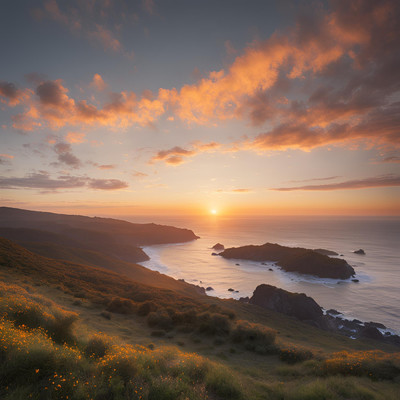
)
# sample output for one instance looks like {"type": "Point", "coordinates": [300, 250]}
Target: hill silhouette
{"type": "Point", "coordinates": [115, 238]}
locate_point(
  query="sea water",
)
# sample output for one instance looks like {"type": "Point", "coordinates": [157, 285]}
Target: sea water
{"type": "Point", "coordinates": [376, 297]}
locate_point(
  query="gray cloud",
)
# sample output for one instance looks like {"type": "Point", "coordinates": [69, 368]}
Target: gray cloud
{"type": "Point", "coordinates": [65, 155]}
{"type": "Point", "coordinates": [328, 178]}
{"type": "Point", "coordinates": [42, 180]}
{"type": "Point", "coordinates": [378, 181]}
{"type": "Point", "coordinates": [107, 184]}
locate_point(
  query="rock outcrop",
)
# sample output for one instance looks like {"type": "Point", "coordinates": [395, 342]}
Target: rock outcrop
{"type": "Point", "coordinates": [297, 305]}
{"type": "Point", "coordinates": [294, 259]}
{"type": "Point", "coordinates": [359, 251]}
{"type": "Point", "coordinates": [218, 247]}
{"type": "Point", "coordinates": [306, 309]}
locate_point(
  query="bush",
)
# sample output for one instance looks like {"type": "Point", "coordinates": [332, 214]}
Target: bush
{"type": "Point", "coordinates": [254, 337]}
{"type": "Point", "coordinates": [214, 324]}
{"type": "Point", "coordinates": [97, 346]}
{"type": "Point", "coordinates": [121, 306]}
{"type": "Point", "coordinates": [374, 364]}
{"type": "Point", "coordinates": [160, 319]}
{"type": "Point", "coordinates": [295, 354]}
{"type": "Point", "coordinates": [220, 381]}
{"type": "Point", "coordinates": [146, 308]}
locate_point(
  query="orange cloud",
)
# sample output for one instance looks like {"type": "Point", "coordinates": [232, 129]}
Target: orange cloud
{"type": "Point", "coordinates": [177, 155]}
{"type": "Point", "coordinates": [11, 95]}
{"type": "Point", "coordinates": [75, 137]}
{"type": "Point", "coordinates": [346, 61]}
{"type": "Point", "coordinates": [240, 190]}
{"type": "Point", "coordinates": [98, 83]}
{"type": "Point", "coordinates": [106, 166]}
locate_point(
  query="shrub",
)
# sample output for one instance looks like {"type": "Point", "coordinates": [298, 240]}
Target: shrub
{"type": "Point", "coordinates": [254, 337]}
{"type": "Point", "coordinates": [121, 306]}
{"type": "Point", "coordinates": [160, 319]}
{"type": "Point", "coordinates": [214, 324]}
{"type": "Point", "coordinates": [374, 364]}
{"type": "Point", "coordinates": [295, 354]}
{"type": "Point", "coordinates": [220, 381]}
{"type": "Point", "coordinates": [146, 308]}
{"type": "Point", "coordinates": [97, 346]}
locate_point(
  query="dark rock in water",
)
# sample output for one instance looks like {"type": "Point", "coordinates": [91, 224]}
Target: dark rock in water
{"type": "Point", "coordinates": [236, 291]}
{"type": "Point", "coordinates": [375, 325]}
{"type": "Point", "coordinates": [293, 259]}
{"type": "Point", "coordinates": [357, 321]}
{"type": "Point", "coordinates": [214, 254]}
{"type": "Point", "coordinates": [218, 246]}
{"type": "Point", "coordinates": [355, 280]}
{"type": "Point", "coordinates": [333, 312]}
{"type": "Point", "coordinates": [341, 255]}
{"type": "Point", "coordinates": [263, 263]}
{"type": "Point", "coordinates": [244, 299]}
{"type": "Point", "coordinates": [326, 252]}
{"type": "Point", "coordinates": [370, 332]}
{"type": "Point", "coordinates": [209, 288]}
{"type": "Point", "coordinates": [360, 251]}
{"type": "Point", "coordinates": [270, 269]}
{"type": "Point", "coordinates": [231, 290]}
{"type": "Point", "coordinates": [181, 280]}
{"type": "Point", "coordinates": [237, 264]}
{"type": "Point", "coordinates": [294, 304]}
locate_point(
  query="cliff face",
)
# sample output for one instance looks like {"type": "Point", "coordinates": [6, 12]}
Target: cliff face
{"type": "Point", "coordinates": [294, 259]}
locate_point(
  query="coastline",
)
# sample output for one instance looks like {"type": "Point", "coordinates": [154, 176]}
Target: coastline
{"type": "Point", "coordinates": [221, 290]}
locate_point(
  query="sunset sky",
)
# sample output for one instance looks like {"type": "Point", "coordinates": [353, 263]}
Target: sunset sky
{"type": "Point", "coordinates": [179, 107]}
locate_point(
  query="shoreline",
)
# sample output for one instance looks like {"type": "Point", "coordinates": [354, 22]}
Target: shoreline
{"type": "Point", "coordinates": [155, 264]}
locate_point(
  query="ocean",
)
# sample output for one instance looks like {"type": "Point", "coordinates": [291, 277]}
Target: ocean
{"type": "Point", "coordinates": [376, 297]}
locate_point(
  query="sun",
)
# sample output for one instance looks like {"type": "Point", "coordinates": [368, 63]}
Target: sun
{"type": "Point", "coordinates": [214, 211]}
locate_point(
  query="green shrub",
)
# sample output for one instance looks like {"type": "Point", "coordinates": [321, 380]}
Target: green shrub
{"type": "Point", "coordinates": [295, 354]}
{"type": "Point", "coordinates": [97, 346]}
{"type": "Point", "coordinates": [214, 324]}
{"type": "Point", "coordinates": [254, 337]}
{"type": "Point", "coordinates": [374, 364]}
{"type": "Point", "coordinates": [221, 382]}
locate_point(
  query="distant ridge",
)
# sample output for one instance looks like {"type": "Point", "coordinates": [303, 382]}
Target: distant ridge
{"type": "Point", "coordinates": [113, 237]}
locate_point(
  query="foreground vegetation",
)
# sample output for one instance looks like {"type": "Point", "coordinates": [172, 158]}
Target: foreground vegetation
{"type": "Point", "coordinates": [94, 335]}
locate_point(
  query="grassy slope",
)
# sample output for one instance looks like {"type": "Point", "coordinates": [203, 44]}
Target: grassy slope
{"type": "Point", "coordinates": [87, 291]}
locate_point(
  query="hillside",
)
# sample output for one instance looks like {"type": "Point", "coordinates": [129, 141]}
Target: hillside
{"type": "Point", "coordinates": [116, 238]}
{"type": "Point", "coordinates": [232, 350]}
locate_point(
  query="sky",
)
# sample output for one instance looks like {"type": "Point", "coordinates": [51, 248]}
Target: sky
{"type": "Point", "coordinates": [163, 107]}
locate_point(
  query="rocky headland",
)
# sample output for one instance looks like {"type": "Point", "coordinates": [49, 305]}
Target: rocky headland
{"type": "Point", "coordinates": [293, 259]}
{"type": "Point", "coordinates": [306, 309]}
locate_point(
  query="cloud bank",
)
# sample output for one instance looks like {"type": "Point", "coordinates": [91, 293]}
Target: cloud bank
{"type": "Point", "coordinates": [389, 180]}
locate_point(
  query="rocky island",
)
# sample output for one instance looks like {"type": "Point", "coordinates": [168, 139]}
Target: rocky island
{"type": "Point", "coordinates": [293, 259]}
